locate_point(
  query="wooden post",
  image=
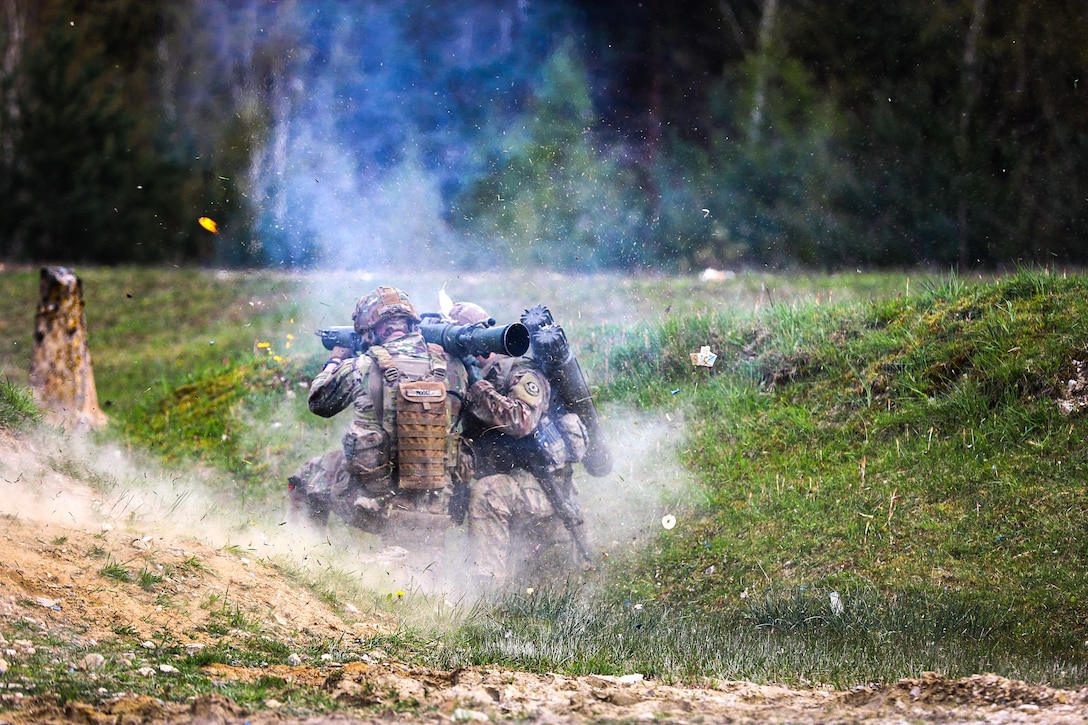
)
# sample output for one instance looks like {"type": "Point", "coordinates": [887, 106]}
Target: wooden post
{"type": "Point", "coordinates": [61, 377]}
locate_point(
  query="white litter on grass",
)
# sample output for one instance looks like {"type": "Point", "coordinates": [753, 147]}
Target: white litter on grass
{"type": "Point", "coordinates": [716, 275]}
{"type": "Point", "coordinates": [836, 603]}
{"type": "Point", "coordinates": [704, 358]}
{"type": "Point", "coordinates": [668, 521]}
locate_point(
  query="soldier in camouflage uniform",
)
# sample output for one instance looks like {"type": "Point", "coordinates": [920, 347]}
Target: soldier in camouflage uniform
{"type": "Point", "coordinates": [511, 523]}
{"type": "Point", "coordinates": [392, 475]}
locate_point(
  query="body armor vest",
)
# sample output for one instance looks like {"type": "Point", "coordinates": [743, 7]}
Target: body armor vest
{"type": "Point", "coordinates": [411, 406]}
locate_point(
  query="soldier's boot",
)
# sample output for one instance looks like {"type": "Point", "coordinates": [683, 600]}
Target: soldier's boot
{"type": "Point", "coordinates": [306, 513]}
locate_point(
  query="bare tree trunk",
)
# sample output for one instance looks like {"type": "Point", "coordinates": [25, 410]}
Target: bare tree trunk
{"type": "Point", "coordinates": [61, 377]}
{"type": "Point", "coordinates": [730, 18]}
{"type": "Point", "coordinates": [13, 25]}
{"type": "Point", "coordinates": [963, 131]}
{"type": "Point", "coordinates": [766, 35]}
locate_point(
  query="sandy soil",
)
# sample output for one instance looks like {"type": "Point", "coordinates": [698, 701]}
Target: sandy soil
{"type": "Point", "coordinates": [50, 524]}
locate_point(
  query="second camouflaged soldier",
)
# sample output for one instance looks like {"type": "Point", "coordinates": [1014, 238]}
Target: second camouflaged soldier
{"type": "Point", "coordinates": [509, 422]}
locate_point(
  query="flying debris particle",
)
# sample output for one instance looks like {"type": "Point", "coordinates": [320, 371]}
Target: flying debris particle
{"type": "Point", "coordinates": [445, 303]}
{"type": "Point", "coordinates": [668, 521]}
{"type": "Point", "coordinates": [706, 213]}
{"type": "Point", "coordinates": [208, 224]}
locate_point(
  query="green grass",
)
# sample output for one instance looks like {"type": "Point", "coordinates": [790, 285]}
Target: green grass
{"type": "Point", "coordinates": [912, 447]}
{"type": "Point", "coordinates": [17, 408]}
{"type": "Point", "coordinates": [789, 637]}
{"type": "Point", "coordinates": [116, 571]}
{"type": "Point", "coordinates": [898, 442]}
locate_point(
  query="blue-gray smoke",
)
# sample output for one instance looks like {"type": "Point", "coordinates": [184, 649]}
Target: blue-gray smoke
{"type": "Point", "coordinates": [379, 112]}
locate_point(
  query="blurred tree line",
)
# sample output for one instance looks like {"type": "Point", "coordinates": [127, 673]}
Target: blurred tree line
{"type": "Point", "coordinates": [667, 133]}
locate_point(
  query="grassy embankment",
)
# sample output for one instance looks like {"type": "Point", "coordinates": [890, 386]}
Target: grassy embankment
{"type": "Point", "coordinates": [907, 452]}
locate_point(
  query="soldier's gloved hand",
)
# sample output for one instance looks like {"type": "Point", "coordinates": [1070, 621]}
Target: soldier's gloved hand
{"type": "Point", "coordinates": [479, 389]}
{"type": "Point", "coordinates": [472, 367]}
{"type": "Point", "coordinates": [341, 353]}
{"type": "Point", "coordinates": [367, 503]}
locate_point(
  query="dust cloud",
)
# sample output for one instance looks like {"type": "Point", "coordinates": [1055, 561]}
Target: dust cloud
{"type": "Point", "coordinates": [54, 477]}
{"type": "Point", "coordinates": [626, 507]}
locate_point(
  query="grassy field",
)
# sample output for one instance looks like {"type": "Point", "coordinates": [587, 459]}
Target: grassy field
{"type": "Point", "coordinates": [910, 443]}
{"type": "Point", "coordinates": [208, 364]}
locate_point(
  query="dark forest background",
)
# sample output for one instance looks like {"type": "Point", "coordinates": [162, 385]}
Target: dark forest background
{"type": "Point", "coordinates": [677, 134]}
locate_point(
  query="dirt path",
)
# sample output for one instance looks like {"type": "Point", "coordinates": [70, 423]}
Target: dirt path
{"type": "Point", "coordinates": [54, 547]}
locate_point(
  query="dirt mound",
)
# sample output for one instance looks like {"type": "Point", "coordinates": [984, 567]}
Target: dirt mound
{"type": "Point", "coordinates": [71, 571]}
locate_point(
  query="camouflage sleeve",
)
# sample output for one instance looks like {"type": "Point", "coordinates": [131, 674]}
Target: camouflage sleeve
{"type": "Point", "coordinates": [518, 413]}
{"type": "Point", "coordinates": [456, 378]}
{"type": "Point", "coordinates": [334, 388]}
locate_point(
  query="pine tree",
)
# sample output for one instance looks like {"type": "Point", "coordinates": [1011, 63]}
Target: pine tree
{"type": "Point", "coordinates": [74, 189]}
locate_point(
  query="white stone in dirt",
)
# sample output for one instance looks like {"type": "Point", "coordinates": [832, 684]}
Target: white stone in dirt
{"type": "Point", "coordinates": [462, 714]}
{"type": "Point", "coordinates": [294, 660]}
{"type": "Point", "coordinates": [91, 661]}
{"type": "Point", "coordinates": [3, 666]}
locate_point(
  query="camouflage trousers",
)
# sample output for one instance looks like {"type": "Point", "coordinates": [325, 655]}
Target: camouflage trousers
{"type": "Point", "coordinates": [414, 520]}
{"type": "Point", "coordinates": [513, 530]}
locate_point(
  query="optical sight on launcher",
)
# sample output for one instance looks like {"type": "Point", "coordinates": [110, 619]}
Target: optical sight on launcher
{"type": "Point", "coordinates": [457, 340]}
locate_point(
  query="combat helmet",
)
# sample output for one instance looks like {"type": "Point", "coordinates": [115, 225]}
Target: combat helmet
{"type": "Point", "coordinates": [469, 313]}
{"type": "Point", "coordinates": [380, 304]}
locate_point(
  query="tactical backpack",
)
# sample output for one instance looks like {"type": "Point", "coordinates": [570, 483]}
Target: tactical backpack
{"type": "Point", "coordinates": [412, 405]}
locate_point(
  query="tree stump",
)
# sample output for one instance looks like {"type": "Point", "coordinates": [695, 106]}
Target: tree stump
{"type": "Point", "coordinates": [61, 377]}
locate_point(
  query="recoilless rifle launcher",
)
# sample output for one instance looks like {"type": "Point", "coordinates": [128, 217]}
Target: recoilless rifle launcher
{"type": "Point", "coordinates": [479, 339]}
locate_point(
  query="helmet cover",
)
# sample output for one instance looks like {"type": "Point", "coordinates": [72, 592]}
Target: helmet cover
{"type": "Point", "coordinates": [380, 304]}
{"type": "Point", "coordinates": [468, 313]}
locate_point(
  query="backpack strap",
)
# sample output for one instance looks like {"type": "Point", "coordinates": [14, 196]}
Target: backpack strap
{"type": "Point", "coordinates": [438, 361]}
{"type": "Point", "coordinates": [388, 369]}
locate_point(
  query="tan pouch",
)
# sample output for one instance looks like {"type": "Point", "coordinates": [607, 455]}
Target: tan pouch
{"type": "Point", "coordinates": [423, 424]}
